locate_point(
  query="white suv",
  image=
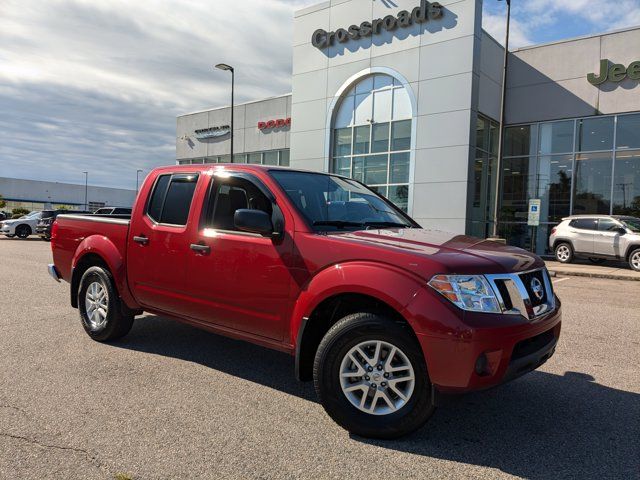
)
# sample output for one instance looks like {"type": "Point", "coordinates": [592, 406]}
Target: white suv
{"type": "Point", "coordinates": [598, 238]}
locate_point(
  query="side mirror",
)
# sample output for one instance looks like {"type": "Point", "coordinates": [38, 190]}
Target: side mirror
{"type": "Point", "coordinates": [254, 221]}
{"type": "Point", "coordinates": [621, 230]}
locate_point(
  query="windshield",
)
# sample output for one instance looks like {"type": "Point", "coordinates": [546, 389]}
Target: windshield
{"type": "Point", "coordinates": [632, 224]}
{"type": "Point", "coordinates": [331, 203]}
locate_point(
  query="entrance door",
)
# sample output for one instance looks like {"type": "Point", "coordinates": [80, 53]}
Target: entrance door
{"type": "Point", "coordinates": [158, 245]}
{"type": "Point", "coordinates": [237, 279]}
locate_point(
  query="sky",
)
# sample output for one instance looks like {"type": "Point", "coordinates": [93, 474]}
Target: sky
{"type": "Point", "coordinates": [96, 85]}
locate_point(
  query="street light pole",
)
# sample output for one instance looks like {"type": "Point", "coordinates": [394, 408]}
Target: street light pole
{"type": "Point", "coordinates": [138, 172]}
{"type": "Point", "coordinates": [229, 68]}
{"type": "Point", "coordinates": [496, 203]}
{"type": "Point", "coordinates": [86, 190]}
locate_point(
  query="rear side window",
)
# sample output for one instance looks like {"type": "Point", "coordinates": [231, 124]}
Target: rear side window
{"type": "Point", "coordinates": [122, 211]}
{"type": "Point", "coordinates": [171, 199]}
{"type": "Point", "coordinates": [584, 223]}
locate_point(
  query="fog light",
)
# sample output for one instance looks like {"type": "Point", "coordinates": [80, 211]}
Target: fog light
{"type": "Point", "coordinates": [487, 363]}
{"type": "Point", "coordinates": [481, 365]}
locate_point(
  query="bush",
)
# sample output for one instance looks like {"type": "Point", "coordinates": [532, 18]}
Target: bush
{"type": "Point", "coordinates": [19, 212]}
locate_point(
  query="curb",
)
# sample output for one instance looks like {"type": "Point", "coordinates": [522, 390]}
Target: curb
{"type": "Point", "coordinates": [610, 276]}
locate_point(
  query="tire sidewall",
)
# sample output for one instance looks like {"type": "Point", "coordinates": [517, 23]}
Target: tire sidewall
{"type": "Point", "coordinates": [98, 274]}
{"type": "Point", "coordinates": [351, 331]}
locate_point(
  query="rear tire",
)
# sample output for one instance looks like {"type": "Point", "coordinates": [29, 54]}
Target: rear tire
{"type": "Point", "coordinates": [386, 394]}
{"type": "Point", "coordinates": [23, 231]}
{"type": "Point", "coordinates": [564, 252]}
{"type": "Point", "coordinates": [104, 317]}
{"type": "Point", "coordinates": [634, 260]}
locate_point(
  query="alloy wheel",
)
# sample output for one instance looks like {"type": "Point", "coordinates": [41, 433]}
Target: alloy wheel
{"type": "Point", "coordinates": [377, 377]}
{"type": "Point", "coordinates": [97, 305]}
{"type": "Point", "coordinates": [563, 253]}
{"type": "Point", "coordinates": [635, 260]}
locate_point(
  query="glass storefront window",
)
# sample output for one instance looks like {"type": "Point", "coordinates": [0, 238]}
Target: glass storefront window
{"type": "Point", "coordinates": [361, 139]}
{"type": "Point", "coordinates": [554, 186]}
{"type": "Point", "coordinates": [254, 158]}
{"type": "Point", "coordinates": [401, 135]}
{"type": "Point", "coordinates": [628, 134]}
{"type": "Point", "coordinates": [626, 183]}
{"type": "Point", "coordinates": [342, 142]}
{"type": "Point", "coordinates": [284, 158]}
{"type": "Point", "coordinates": [399, 168]}
{"type": "Point", "coordinates": [380, 138]}
{"type": "Point", "coordinates": [372, 136]}
{"type": "Point", "coordinates": [592, 183]}
{"type": "Point", "coordinates": [595, 134]}
{"type": "Point", "coordinates": [556, 137]}
{"type": "Point", "coordinates": [270, 158]}
{"type": "Point", "coordinates": [516, 185]}
{"type": "Point", "coordinates": [519, 141]}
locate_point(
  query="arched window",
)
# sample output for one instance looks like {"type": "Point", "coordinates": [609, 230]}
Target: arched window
{"type": "Point", "coordinates": [372, 136]}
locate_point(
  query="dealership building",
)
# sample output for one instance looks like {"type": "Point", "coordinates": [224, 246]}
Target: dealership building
{"type": "Point", "coordinates": [405, 95]}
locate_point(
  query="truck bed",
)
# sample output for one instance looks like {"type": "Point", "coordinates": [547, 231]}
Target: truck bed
{"type": "Point", "coordinates": [74, 230]}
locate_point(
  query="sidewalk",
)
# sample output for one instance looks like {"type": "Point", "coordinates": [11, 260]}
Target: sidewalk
{"type": "Point", "coordinates": [580, 268]}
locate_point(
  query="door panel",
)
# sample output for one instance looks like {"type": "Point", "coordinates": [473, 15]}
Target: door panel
{"type": "Point", "coordinates": [582, 233]}
{"type": "Point", "coordinates": [607, 238]}
{"type": "Point", "coordinates": [158, 252]}
{"type": "Point", "coordinates": [243, 280]}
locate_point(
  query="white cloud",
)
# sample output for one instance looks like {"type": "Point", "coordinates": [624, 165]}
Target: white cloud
{"type": "Point", "coordinates": [97, 84]}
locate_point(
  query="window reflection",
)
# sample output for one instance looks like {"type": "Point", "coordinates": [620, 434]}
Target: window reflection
{"type": "Point", "coordinates": [626, 183]}
{"type": "Point", "coordinates": [592, 184]}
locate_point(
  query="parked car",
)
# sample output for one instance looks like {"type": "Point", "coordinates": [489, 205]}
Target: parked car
{"type": "Point", "coordinates": [385, 317]}
{"type": "Point", "coordinates": [598, 238]}
{"type": "Point", "coordinates": [43, 228]}
{"type": "Point", "coordinates": [113, 211]}
{"type": "Point", "coordinates": [20, 227]}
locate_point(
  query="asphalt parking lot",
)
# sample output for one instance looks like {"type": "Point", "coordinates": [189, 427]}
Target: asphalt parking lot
{"type": "Point", "coordinates": [170, 401]}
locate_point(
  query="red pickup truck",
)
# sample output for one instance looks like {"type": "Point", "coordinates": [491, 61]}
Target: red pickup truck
{"type": "Point", "coordinates": [387, 318]}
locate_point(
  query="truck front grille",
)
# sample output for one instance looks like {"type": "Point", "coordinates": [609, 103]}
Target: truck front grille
{"type": "Point", "coordinates": [529, 294]}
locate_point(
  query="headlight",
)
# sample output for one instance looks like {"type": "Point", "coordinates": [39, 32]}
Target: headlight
{"type": "Point", "coordinates": [468, 292]}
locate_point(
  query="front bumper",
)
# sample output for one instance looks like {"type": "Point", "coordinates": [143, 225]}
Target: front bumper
{"type": "Point", "coordinates": [53, 271]}
{"type": "Point", "coordinates": [495, 349]}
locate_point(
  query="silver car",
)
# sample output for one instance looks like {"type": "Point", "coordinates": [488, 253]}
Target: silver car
{"type": "Point", "coordinates": [598, 238]}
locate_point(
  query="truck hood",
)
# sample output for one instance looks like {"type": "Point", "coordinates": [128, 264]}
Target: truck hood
{"type": "Point", "coordinates": [448, 252]}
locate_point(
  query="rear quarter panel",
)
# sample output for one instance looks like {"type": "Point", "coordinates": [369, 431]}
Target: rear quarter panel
{"type": "Point", "coordinates": [78, 236]}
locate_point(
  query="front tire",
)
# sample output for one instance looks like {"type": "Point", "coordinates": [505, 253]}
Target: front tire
{"type": "Point", "coordinates": [634, 260]}
{"type": "Point", "coordinates": [371, 377]}
{"type": "Point", "coordinates": [23, 231]}
{"type": "Point", "coordinates": [103, 315]}
{"type": "Point", "coordinates": [564, 252]}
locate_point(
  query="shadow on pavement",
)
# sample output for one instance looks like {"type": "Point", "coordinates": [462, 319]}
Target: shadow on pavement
{"type": "Point", "coordinates": [539, 426]}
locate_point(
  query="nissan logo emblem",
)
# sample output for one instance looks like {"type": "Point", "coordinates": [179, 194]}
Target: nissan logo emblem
{"type": "Point", "coordinates": [536, 288]}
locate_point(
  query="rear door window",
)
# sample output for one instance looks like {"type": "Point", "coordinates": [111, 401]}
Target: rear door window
{"type": "Point", "coordinates": [171, 198]}
{"type": "Point", "coordinates": [584, 223]}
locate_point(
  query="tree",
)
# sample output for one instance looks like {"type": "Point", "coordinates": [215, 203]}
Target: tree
{"type": "Point", "coordinates": [3, 202]}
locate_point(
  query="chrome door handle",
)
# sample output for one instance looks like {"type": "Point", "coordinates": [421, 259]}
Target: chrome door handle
{"type": "Point", "coordinates": [142, 240]}
{"type": "Point", "coordinates": [199, 248]}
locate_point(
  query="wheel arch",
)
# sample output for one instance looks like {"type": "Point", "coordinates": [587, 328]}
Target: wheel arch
{"type": "Point", "coordinates": [630, 249]}
{"type": "Point", "coordinates": [97, 250]}
{"type": "Point", "coordinates": [341, 290]}
{"type": "Point", "coordinates": [558, 241]}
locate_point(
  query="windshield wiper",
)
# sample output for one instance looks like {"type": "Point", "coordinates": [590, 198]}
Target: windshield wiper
{"type": "Point", "coordinates": [386, 224]}
{"type": "Point", "coordinates": [337, 223]}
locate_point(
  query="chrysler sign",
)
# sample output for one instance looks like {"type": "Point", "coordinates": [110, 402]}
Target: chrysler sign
{"type": "Point", "coordinates": [421, 14]}
{"type": "Point", "coordinates": [212, 132]}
